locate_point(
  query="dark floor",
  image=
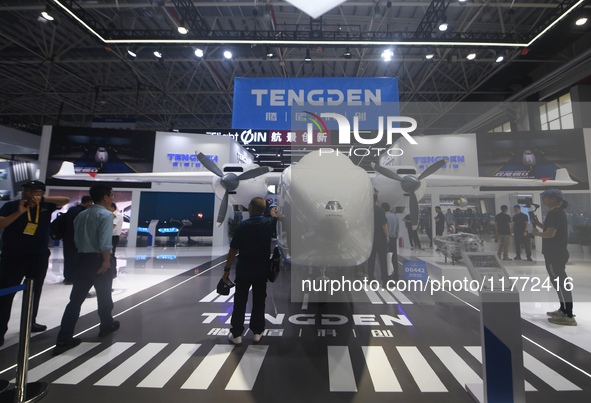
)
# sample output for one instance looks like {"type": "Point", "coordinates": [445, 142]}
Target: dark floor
{"type": "Point", "coordinates": [174, 347]}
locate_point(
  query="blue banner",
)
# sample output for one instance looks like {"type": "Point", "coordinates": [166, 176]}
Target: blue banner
{"type": "Point", "coordinates": [269, 103]}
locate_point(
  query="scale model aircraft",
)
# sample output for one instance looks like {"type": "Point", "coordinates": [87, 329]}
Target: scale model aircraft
{"type": "Point", "coordinates": [325, 202]}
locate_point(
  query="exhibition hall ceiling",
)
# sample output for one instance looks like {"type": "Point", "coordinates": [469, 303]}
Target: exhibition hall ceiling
{"type": "Point", "coordinates": [77, 67]}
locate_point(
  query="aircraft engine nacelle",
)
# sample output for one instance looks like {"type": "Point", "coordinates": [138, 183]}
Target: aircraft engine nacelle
{"type": "Point", "coordinates": [246, 190]}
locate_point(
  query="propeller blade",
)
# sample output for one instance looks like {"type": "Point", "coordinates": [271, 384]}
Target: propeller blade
{"type": "Point", "coordinates": [432, 168]}
{"type": "Point", "coordinates": [253, 173]}
{"type": "Point", "coordinates": [222, 210]}
{"type": "Point", "coordinates": [414, 210]}
{"type": "Point", "coordinates": [209, 164]}
{"type": "Point", "coordinates": [386, 172]}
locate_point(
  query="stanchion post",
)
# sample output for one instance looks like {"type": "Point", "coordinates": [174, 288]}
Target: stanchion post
{"type": "Point", "coordinates": [24, 392]}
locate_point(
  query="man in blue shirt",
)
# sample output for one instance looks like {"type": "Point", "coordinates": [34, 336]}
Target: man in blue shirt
{"type": "Point", "coordinates": [93, 229]}
{"type": "Point", "coordinates": [25, 251]}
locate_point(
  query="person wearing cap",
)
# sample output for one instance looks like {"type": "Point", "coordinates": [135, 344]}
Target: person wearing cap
{"type": "Point", "coordinates": [25, 250]}
{"type": "Point", "coordinates": [503, 231]}
{"type": "Point", "coordinates": [554, 236]}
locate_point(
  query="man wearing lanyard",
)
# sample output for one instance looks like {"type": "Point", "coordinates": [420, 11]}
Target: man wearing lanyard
{"type": "Point", "coordinates": [253, 239]}
{"type": "Point", "coordinates": [93, 229]}
{"type": "Point", "coordinates": [25, 250]}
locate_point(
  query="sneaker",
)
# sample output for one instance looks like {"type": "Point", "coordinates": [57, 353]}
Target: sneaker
{"type": "Point", "coordinates": [517, 258]}
{"type": "Point", "coordinates": [237, 341]}
{"type": "Point", "coordinates": [564, 320]}
{"type": "Point", "coordinates": [506, 258]}
{"type": "Point", "coordinates": [256, 338]}
{"type": "Point", "coordinates": [36, 328]}
{"type": "Point", "coordinates": [555, 314]}
{"type": "Point", "coordinates": [64, 345]}
{"type": "Point", "coordinates": [529, 259]}
{"type": "Point", "coordinates": [113, 328]}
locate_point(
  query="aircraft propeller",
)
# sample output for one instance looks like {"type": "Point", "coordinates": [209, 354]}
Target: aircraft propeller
{"type": "Point", "coordinates": [410, 184]}
{"type": "Point", "coordinates": [229, 181]}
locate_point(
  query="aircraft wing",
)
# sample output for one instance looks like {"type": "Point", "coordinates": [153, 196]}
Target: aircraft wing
{"type": "Point", "coordinates": [562, 179]}
{"type": "Point", "coordinates": [67, 172]}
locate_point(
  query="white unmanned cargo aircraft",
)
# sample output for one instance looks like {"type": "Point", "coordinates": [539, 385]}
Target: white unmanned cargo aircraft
{"type": "Point", "coordinates": [325, 202]}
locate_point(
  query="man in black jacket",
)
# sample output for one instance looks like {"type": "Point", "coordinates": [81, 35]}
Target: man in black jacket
{"type": "Point", "coordinates": [253, 239]}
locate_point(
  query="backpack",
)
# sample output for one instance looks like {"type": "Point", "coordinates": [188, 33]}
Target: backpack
{"type": "Point", "coordinates": [57, 228]}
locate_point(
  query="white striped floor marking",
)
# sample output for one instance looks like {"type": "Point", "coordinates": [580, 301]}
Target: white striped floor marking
{"type": "Point", "coordinates": [548, 375]}
{"type": "Point", "coordinates": [456, 365]}
{"type": "Point", "coordinates": [164, 372]}
{"type": "Point", "coordinates": [59, 361]}
{"type": "Point", "coordinates": [380, 370]}
{"type": "Point", "coordinates": [226, 298]}
{"type": "Point", "coordinates": [130, 366]}
{"type": "Point", "coordinates": [426, 379]}
{"type": "Point", "coordinates": [210, 297]}
{"type": "Point", "coordinates": [401, 297]}
{"type": "Point", "coordinates": [340, 370]}
{"type": "Point", "coordinates": [387, 296]}
{"type": "Point", "coordinates": [203, 375]}
{"type": "Point", "coordinates": [476, 351]}
{"type": "Point", "coordinates": [246, 373]}
{"type": "Point", "coordinates": [84, 370]}
{"type": "Point", "coordinates": [373, 297]}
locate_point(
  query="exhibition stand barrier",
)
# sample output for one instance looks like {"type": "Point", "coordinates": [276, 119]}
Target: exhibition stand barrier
{"type": "Point", "coordinates": [500, 332]}
{"type": "Point", "coordinates": [23, 392]}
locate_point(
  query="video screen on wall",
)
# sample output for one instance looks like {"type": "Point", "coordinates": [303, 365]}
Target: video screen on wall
{"type": "Point", "coordinates": [533, 155]}
{"type": "Point", "coordinates": [100, 151]}
{"type": "Point", "coordinates": [191, 213]}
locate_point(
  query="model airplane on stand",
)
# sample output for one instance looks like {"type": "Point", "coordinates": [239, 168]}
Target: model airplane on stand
{"type": "Point", "coordinates": [325, 202]}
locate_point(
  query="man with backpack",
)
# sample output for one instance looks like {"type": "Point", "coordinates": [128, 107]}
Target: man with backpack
{"type": "Point", "coordinates": [70, 251]}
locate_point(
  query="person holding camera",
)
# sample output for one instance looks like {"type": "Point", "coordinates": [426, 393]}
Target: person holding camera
{"type": "Point", "coordinates": [25, 248]}
{"type": "Point", "coordinates": [253, 240]}
{"type": "Point", "coordinates": [554, 236]}
{"type": "Point", "coordinates": [520, 234]}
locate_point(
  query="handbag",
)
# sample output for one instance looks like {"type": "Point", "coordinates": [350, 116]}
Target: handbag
{"type": "Point", "coordinates": [223, 288]}
{"type": "Point", "coordinates": [274, 265]}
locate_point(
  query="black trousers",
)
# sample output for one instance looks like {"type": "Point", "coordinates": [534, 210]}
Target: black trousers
{"type": "Point", "coordinates": [84, 279]}
{"type": "Point", "coordinates": [12, 271]}
{"type": "Point", "coordinates": [257, 315]}
{"type": "Point", "coordinates": [520, 239]}
{"type": "Point", "coordinates": [379, 249]}
{"type": "Point", "coordinates": [70, 260]}
{"type": "Point", "coordinates": [556, 267]}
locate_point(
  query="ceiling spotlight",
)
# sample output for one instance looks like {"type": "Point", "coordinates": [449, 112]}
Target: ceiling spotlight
{"type": "Point", "coordinates": [182, 30]}
{"type": "Point", "coordinates": [463, 2]}
{"type": "Point", "coordinates": [500, 59]}
{"type": "Point", "coordinates": [430, 54]}
{"type": "Point", "coordinates": [443, 25]}
{"type": "Point", "coordinates": [270, 53]}
{"type": "Point", "coordinates": [307, 59]}
{"type": "Point", "coordinates": [46, 16]}
{"type": "Point", "coordinates": [131, 54]}
{"type": "Point", "coordinates": [347, 54]}
{"type": "Point", "coordinates": [199, 52]}
{"type": "Point", "coordinates": [471, 56]}
{"type": "Point", "coordinates": [387, 55]}
{"type": "Point", "coordinates": [227, 54]}
{"type": "Point", "coordinates": [158, 54]}
{"type": "Point", "coordinates": [581, 21]}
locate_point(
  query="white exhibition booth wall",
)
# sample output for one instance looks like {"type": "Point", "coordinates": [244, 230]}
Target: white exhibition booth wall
{"type": "Point", "coordinates": [173, 152]}
{"type": "Point", "coordinates": [461, 150]}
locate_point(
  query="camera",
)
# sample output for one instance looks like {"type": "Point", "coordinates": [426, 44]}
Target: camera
{"type": "Point", "coordinates": [529, 203]}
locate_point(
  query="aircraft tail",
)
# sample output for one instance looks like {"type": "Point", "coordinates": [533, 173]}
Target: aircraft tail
{"type": "Point", "coordinates": [67, 169]}
{"type": "Point", "coordinates": [562, 175]}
